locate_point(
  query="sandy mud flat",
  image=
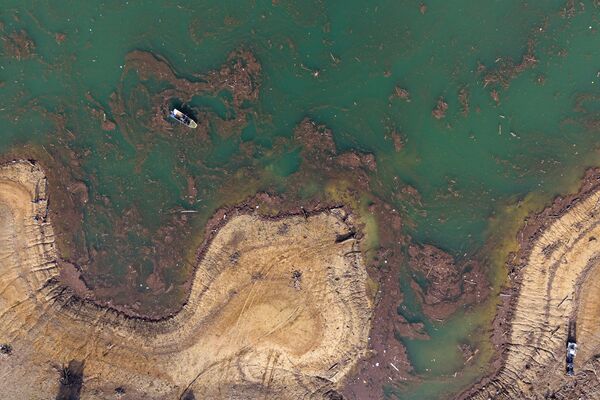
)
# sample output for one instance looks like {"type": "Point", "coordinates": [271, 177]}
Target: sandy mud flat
{"type": "Point", "coordinates": [554, 296]}
{"type": "Point", "coordinates": [278, 309]}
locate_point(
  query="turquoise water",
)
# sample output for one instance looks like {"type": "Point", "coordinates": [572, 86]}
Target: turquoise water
{"type": "Point", "coordinates": [337, 63]}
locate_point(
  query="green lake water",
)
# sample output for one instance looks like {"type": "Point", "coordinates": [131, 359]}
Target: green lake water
{"type": "Point", "coordinates": [468, 169]}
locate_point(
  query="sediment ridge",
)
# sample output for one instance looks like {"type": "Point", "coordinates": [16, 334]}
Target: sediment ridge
{"type": "Point", "coordinates": [277, 309]}
{"type": "Point", "coordinates": [553, 297]}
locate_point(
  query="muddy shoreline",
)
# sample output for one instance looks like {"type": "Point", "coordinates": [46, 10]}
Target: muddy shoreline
{"type": "Point", "coordinates": [533, 227]}
{"type": "Point", "coordinates": [219, 219]}
{"type": "Point", "coordinates": [385, 357]}
{"type": "Point", "coordinates": [255, 308]}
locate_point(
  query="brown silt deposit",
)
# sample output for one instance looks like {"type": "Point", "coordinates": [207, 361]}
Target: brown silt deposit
{"type": "Point", "coordinates": [554, 297]}
{"type": "Point", "coordinates": [449, 285]}
{"type": "Point", "coordinates": [463, 99]}
{"type": "Point", "coordinates": [440, 109]}
{"type": "Point", "coordinates": [278, 309]}
{"type": "Point", "coordinates": [401, 93]}
{"type": "Point", "coordinates": [507, 69]}
{"type": "Point", "coordinates": [18, 45]}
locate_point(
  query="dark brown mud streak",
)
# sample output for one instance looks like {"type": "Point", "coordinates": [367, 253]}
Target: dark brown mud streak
{"type": "Point", "coordinates": [17, 44]}
{"type": "Point", "coordinates": [506, 69]}
{"type": "Point", "coordinates": [240, 76]}
{"type": "Point", "coordinates": [449, 285]}
{"type": "Point", "coordinates": [388, 357]}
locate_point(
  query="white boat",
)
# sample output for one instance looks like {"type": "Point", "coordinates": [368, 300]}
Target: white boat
{"type": "Point", "coordinates": [182, 118]}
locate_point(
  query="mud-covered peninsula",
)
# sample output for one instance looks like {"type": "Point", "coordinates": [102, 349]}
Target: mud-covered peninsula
{"type": "Point", "coordinates": [277, 309]}
{"type": "Point", "coordinates": [551, 299]}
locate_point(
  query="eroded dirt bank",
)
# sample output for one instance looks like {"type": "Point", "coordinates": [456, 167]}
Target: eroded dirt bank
{"type": "Point", "coordinates": [278, 309]}
{"type": "Point", "coordinates": [555, 278]}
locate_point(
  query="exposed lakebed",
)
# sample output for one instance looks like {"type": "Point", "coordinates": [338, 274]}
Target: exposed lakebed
{"type": "Point", "coordinates": [457, 118]}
